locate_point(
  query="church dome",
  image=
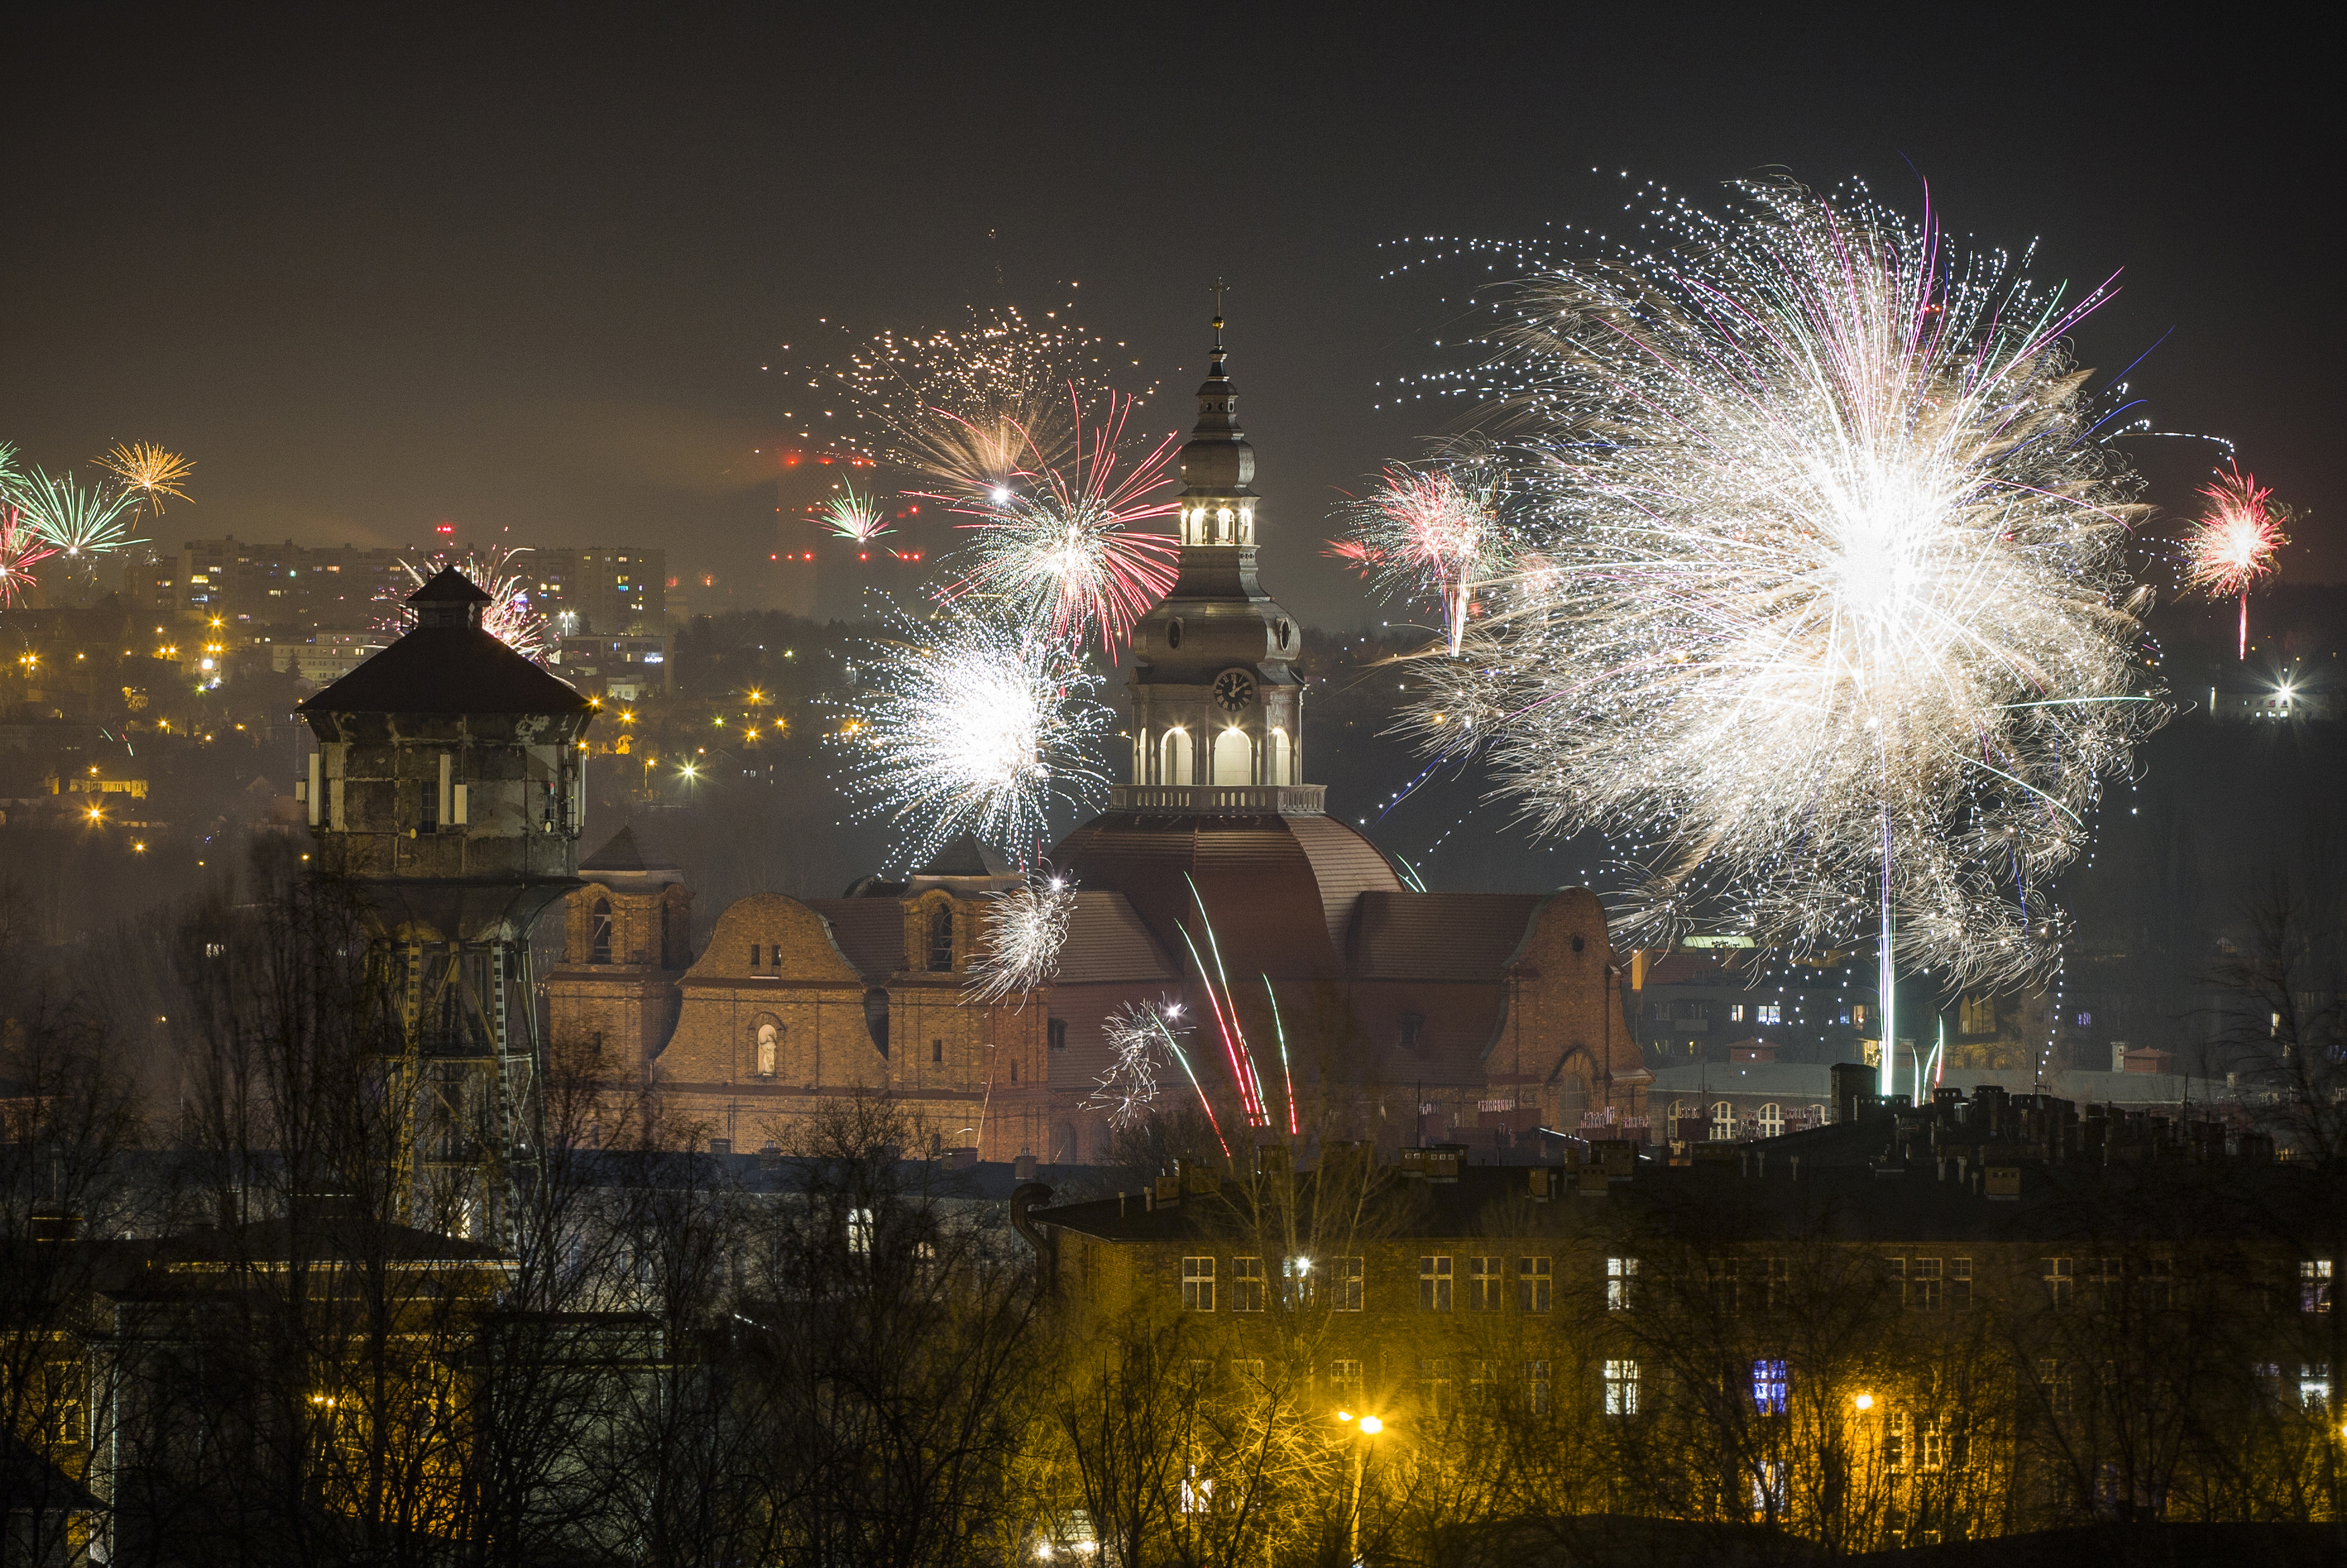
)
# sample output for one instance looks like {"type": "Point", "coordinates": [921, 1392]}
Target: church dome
{"type": "Point", "coordinates": [1279, 890]}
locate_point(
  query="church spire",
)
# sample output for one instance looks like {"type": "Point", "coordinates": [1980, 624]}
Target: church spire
{"type": "Point", "coordinates": [1216, 703]}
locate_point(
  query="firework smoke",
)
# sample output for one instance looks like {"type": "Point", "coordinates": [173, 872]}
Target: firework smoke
{"type": "Point", "coordinates": [1829, 614]}
{"type": "Point", "coordinates": [1058, 544]}
{"type": "Point", "coordinates": [1024, 931]}
{"type": "Point", "coordinates": [2232, 547]}
{"type": "Point", "coordinates": [963, 725]}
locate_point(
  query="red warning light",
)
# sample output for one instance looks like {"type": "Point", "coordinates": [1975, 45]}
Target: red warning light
{"type": "Point", "coordinates": [446, 528]}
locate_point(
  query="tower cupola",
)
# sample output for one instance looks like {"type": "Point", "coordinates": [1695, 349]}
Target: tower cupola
{"type": "Point", "coordinates": [1217, 706]}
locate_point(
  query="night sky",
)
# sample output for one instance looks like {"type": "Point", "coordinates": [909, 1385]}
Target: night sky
{"type": "Point", "coordinates": [522, 272]}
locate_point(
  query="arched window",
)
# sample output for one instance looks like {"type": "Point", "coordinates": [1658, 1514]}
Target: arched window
{"type": "Point", "coordinates": [942, 939]}
{"type": "Point", "coordinates": [1173, 758]}
{"type": "Point", "coordinates": [1772, 1121]}
{"type": "Point", "coordinates": [1281, 753]}
{"type": "Point", "coordinates": [770, 1047]}
{"type": "Point", "coordinates": [1234, 757]}
{"type": "Point", "coordinates": [1723, 1122]}
{"type": "Point", "coordinates": [598, 928]}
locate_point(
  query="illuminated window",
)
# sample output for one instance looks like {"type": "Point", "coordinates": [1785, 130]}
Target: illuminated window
{"type": "Point", "coordinates": [1197, 1285]}
{"type": "Point", "coordinates": [1621, 1273]}
{"type": "Point", "coordinates": [1536, 1387]}
{"type": "Point", "coordinates": [859, 1231]}
{"type": "Point", "coordinates": [1769, 1013]}
{"type": "Point", "coordinates": [1772, 1120]}
{"type": "Point", "coordinates": [2057, 1275]}
{"type": "Point", "coordinates": [2314, 1285]}
{"type": "Point", "coordinates": [2314, 1387]}
{"type": "Point", "coordinates": [1621, 1388]}
{"type": "Point", "coordinates": [1770, 1386]}
{"type": "Point", "coordinates": [1723, 1122]}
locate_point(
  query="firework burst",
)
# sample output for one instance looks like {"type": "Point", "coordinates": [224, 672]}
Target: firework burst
{"type": "Point", "coordinates": [2232, 547]}
{"type": "Point", "coordinates": [965, 725]}
{"type": "Point", "coordinates": [970, 408]}
{"type": "Point", "coordinates": [1142, 1037]}
{"type": "Point", "coordinates": [1431, 531]}
{"type": "Point", "coordinates": [148, 469]}
{"type": "Point", "coordinates": [79, 522]}
{"type": "Point", "coordinates": [21, 549]}
{"type": "Point", "coordinates": [854, 515]}
{"type": "Point", "coordinates": [1829, 617]}
{"type": "Point", "coordinates": [1058, 543]}
{"type": "Point", "coordinates": [509, 616]}
{"type": "Point", "coordinates": [1024, 931]}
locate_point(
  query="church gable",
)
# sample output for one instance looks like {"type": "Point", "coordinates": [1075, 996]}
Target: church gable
{"type": "Point", "coordinates": [767, 936]}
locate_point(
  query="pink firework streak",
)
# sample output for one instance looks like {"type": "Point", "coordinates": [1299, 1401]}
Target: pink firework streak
{"type": "Point", "coordinates": [21, 549]}
{"type": "Point", "coordinates": [2232, 547]}
{"type": "Point", "coordinates": [1060, 542]}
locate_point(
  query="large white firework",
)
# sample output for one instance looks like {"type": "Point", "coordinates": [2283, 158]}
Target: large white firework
{"type": "Point", "coordinates": [509, 616]}
{"type": "Point", "coordinates": [1024, 931]}
{"type": "Point", "coordinates": [963, 725]}
{"type": "Point", "coordinates": [1820, 597]}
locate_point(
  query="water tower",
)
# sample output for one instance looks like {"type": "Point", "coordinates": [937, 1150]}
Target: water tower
{"type": "Point", "coordinates": [448, 788]}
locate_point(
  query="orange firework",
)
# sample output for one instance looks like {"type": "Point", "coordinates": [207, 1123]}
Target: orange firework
{"type": "Point", "coordinates": [2232, 547]}
{"type": "Point", "coordinates": [148, 469]}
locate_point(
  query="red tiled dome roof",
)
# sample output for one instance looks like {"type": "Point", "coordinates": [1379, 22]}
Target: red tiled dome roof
{"type": "Point", "coordinates": [1278, 889]}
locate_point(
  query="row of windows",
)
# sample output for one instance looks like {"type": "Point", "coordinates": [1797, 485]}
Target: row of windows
{"type": "Point", "coordinates": [1923, 1284]}
{"type": "Point", "coordinates": [1337, 1283]}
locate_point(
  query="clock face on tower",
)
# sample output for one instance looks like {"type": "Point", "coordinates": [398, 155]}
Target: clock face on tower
{"type": "Point", "coordinates": [1235, 689]}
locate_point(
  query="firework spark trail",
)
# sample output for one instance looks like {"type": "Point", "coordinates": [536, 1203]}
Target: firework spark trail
{"type": "Point", "coordinates": [1024, 931]}
{"type": "Point", "coordinates": [1225, 1007]}
{"type": "Point", "coordinates": [509, 616]}
{"type": "Point", "coordinates": [77, 522]}
{"type": "Point", "coordinates": [1057, 540]}
{"type": "Point", "coordinates": [1819, 507]}
{"type": "Point", "coordinates": [1287, 1073]}
{"type": "Point", "coordinates": [21, 549]}
{"type": "Point", "coordinates": [965, 725]}
{"type": "Point", "coordinates": [853, 515]}
{"type": "Point", "coordinates": [149, 470]}
{"type": "Point", "coordinates": [2232, 546]}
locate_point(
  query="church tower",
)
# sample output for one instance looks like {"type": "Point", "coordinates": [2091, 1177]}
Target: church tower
{"type": "Point", "coordinates": [1216, 706]}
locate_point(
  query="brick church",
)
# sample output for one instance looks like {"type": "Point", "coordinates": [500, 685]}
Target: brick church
{"type": "Point", "coordinates": [1473, 1018]}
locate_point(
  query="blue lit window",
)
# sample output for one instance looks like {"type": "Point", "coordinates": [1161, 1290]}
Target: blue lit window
{"type": "Point", "coordinates": [1769, 1385]}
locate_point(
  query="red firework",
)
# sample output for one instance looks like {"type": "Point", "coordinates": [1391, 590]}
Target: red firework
{"type": "Point", "coordinates": [2232, 546]}
{"type": "Point", "coordinates": [21, 548]}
